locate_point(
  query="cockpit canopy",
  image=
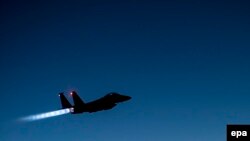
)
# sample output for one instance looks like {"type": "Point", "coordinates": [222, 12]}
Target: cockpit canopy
{"type": "Point", "coordinates": [112, 94]}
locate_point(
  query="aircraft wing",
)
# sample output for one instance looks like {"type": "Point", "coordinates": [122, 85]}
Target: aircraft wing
{"type": "Point", "coordinates": [99, 105]}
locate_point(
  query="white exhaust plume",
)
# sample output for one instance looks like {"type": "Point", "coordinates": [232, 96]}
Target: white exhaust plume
{"type": "Point", "coordinates": [45, 115]}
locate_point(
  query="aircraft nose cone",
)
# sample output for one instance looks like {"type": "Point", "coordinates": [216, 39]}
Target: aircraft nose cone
{"type": "Point", "coordinates": [128, 97]}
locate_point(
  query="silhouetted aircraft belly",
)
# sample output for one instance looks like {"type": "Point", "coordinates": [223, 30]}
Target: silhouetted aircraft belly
{"type": "Point", "coordinates": [99, 107]}
{"type": "Point", "coordinates": [105, 103]}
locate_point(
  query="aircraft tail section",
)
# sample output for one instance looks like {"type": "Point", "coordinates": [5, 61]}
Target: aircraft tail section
{"type": "Point", "coordinates": [64, 102]}
{"type": "Point", "coordinates": [77, 100]}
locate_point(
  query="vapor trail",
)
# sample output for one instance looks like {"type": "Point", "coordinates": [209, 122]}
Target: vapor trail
{"type": "Point", "coordinates": [45, 115]}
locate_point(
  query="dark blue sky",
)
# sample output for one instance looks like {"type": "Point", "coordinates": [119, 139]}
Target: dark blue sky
{"type": "Point", "coordinates": [186, 65]}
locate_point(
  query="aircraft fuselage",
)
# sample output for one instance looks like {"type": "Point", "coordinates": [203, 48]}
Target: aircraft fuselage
{"type": "Point", "coordinates": [105, 103]}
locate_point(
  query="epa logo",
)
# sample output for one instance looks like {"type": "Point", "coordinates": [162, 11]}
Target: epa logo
{"type": "Point", "coordinates": [238, 132]}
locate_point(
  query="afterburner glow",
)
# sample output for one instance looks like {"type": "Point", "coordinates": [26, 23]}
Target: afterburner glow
{"type": "Point", "coordinates": [45, 115]}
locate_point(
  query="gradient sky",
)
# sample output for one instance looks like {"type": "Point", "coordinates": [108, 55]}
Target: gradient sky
{"type": "Point", "coordinates": [186, 65]}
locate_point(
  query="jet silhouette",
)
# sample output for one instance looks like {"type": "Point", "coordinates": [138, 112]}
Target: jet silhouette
{"type": "Point", "coordinates": [107, 102]}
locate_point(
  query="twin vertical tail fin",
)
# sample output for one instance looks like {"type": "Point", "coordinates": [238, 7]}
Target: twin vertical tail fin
{"type": "Point", "coordinates": [77, 100]}
{"type": "Point", "coordinates": [64, 102]}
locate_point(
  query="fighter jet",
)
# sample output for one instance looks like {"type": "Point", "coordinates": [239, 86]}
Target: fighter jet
{"type": "Point", "coordinates": [107, 102]}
